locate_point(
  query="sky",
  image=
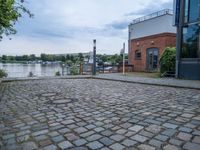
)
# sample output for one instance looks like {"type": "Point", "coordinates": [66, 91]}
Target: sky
{"type": "Point", "coordinates": [69, 26]}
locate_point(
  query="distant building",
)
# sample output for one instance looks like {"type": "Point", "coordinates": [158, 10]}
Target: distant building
{"type": "Point", "coordinates": [187, 20]}
{"type": "Point", "coordinates": [148, 37]}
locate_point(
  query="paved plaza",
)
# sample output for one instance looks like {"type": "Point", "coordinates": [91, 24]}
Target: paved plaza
{"type": "Point", "coordinates": [81, 114]}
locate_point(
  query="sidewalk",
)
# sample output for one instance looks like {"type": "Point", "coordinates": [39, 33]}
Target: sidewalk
{"type": "Point", "coordinates": [193, 84]}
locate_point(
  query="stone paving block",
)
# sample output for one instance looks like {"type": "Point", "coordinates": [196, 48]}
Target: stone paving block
{"type": "Point", "coordinates": [151, 121]}
{"type": "Point", "coordinates": [29, 146]}
{"type": "Point", "coordinates": [40, 132]}
{"type": "Point", "coordinates": [107, 133]}
{"type": "Point", "coordinates": [40, 137]}
{"type": "Point", "coordinates": [79, 148]}
{"type": "Point", "coordinates": [86, 134]}
{"type": "Point", "coordinates": [155, 143]}
{"type": "Point", "coordinates": [169, 125]}
{"type": "Point", "coordinates": [95, 145]}
{"type": "Point", "coordinates": [64, 145]}
{"type": "Point", "coordinates": [50, 147]}
{"type": "Point", "coordinates": [185, 129]}
{"type": "Point", "coordinates": [162, 137]}
{"type": "Point", "coordinates": [117, 146]}
{"type": "Point", "coordinates": [80, 130]}
{"type": "Point", "coordinates": [106, 141]}
{"type": "Point", "coordinates": [93, 137]}
{"type": "Point", "coordinates": [139, 138]}
{"type": "Point", "coordinates": [99, 129]}
{"type": "Point", "coordinates": [145, 147]}
{"type": "Point", "coordinates": [184, 136]}
{"type": "Point", "coordinates": [9, 136]}
{"type": "Point", "coordinates": [154, 129]}
{"type": "Point", "coordinates": [117, 137]}
{"type": "Point", "coordinates": [170, 147]}
{"type": "Point", "coordinates": [80, 142]}
{"type": "Point", "coordinates": [136, 128]}
{"type": "Point", "coordinates": [196, 139]}
{"type": "Point", "coordinates": [67, 122]}
{"type": "Point", "coordinates": [57, 138]}
{"type": "Point", "coordinates": [71, 136]}
{"type": "Point", "coordinates": [169, 132]}
{"type": "Point", "coordinates": [45, 143]}
{"type": "Point", "coordinates": [176, 142]}
{"type": "Point", "coordinates": [191, 146]}
{"type": "Point", "coordinates": [129, 143]}
{"type": "Point", "coordinates": [53, 133]}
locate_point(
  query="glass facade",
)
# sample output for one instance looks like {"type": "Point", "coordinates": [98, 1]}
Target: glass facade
{"type": "Point", "coordinates": [191, 30]}
{"type": "Point", "coordinates": [194, 10]}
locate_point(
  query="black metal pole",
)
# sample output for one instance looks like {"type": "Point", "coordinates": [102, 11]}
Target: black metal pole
{"type": "Point", "coordinates": [94, 58]}
{"type": "Point", "coordinates": [179, 37]}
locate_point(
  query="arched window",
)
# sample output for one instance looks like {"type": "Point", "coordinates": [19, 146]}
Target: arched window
{"type": "Point", "coordinates": [137, 54]}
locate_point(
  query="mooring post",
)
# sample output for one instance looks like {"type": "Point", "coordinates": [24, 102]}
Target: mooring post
{"type": "Point", "coordinates": [94, 58]}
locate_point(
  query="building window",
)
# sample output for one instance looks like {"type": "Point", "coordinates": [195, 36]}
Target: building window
{"type": "Point", "coordinates": [191, 44]}
{"type": "Point", "coordinates": [194, 10]}
{"type": "Point", "coordinates": [137, 54]}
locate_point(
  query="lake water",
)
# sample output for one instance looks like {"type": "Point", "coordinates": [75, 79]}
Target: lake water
{"type": "Point", "coordinates": [22, 70]}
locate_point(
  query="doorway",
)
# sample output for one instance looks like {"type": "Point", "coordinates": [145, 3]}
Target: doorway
{"type": "Point", "coordinates": [152, 59]}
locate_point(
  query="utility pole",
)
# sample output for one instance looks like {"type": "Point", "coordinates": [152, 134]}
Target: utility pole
{"type": "Point", "coordinates": [124, 59]}
{"type": "Point", "coordinates": [94, 58]}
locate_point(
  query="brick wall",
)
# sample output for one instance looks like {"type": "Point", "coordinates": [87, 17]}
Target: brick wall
{"type": "Point", "coordinates": [159, 41]}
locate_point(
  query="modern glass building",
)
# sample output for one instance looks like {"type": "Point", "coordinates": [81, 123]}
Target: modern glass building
{"type": "Point", "coordinates": [187, 20]}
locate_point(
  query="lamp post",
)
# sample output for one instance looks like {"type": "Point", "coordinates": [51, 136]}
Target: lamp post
{"type": "Point", "coordinates": [94, 58]}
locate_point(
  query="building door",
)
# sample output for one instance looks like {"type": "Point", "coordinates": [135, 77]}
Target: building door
{"type": "Point", "coordinates": [152, 59]}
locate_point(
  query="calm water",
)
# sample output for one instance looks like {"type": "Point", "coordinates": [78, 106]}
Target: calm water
{"type": "Point", "coordinates": [22, 70]}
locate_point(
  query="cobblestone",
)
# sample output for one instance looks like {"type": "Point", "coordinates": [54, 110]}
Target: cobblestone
{"type": "Point", "coordinates": [81, 114]}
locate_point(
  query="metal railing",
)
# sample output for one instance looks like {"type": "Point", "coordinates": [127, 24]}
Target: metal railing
{"type": "Point", "coordinates": [153, 15]}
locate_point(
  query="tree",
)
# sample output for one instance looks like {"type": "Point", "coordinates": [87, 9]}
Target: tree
{"type": "Point", "coordinates": [10, 12]}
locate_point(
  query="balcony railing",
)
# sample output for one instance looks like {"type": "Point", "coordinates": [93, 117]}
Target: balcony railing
{"type": "Point", "coordinates": [153, 15]}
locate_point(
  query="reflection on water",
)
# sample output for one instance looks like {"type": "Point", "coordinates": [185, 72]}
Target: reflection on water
{"type": "Point", "coordinates": [22, 70]}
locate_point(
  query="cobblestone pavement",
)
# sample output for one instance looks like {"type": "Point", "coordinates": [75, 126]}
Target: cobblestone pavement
{"type": "Point", "coordinates": [82, 114]}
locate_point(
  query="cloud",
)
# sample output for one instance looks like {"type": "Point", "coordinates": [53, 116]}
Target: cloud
{"type": "Point", "coordinates": [71, 25]}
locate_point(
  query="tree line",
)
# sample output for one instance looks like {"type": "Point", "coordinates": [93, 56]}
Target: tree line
{"type": "Point", "coordinates": [43, 57]}
{"type": "Point", "coordinates": [69, 58]}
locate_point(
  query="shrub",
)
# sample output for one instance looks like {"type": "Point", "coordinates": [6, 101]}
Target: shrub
{"type": "Point", "coordinates": [57, 73]}
{"type": "Point", "coordinates": [3, 73]}
{"type": "Point", "coordinates": [74, 70]}
{"type": "Point", "coordinates": [168, 60]}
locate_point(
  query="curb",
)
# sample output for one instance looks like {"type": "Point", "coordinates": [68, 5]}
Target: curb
{"type": "Point", "coordinates": [145, 83]}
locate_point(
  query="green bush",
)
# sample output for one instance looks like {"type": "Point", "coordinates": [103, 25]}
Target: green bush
{"type": "Point", "coordinates": [3, 73]}
{"type": "Point", "coordinates": [168, 60]}
{"type": "Point", "coordinates": [57, 73]}
{"type": "Point", "coordinates": [74, 70]}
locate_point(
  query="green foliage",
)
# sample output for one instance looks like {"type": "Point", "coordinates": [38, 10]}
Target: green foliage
{"type": "Point", "coordinates": [74, 70]}
{"type": "Point", "coordinates": [57, 73]}
{"type": "Point", "coordinates": [10, 12]}
{"type": "Point", "coordinates": [168, 60]}
{"type": "Point", "coordinates": [3, 73]}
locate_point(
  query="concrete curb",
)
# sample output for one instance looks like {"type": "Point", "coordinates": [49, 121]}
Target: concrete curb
{"type": "Point", "coordinates": [44, 78]}
{"type": "Point", "coordinates": [138, 82]}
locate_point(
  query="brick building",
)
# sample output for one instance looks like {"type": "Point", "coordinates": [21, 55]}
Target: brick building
{"type": "Point", "coordinates": [148, 37]}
